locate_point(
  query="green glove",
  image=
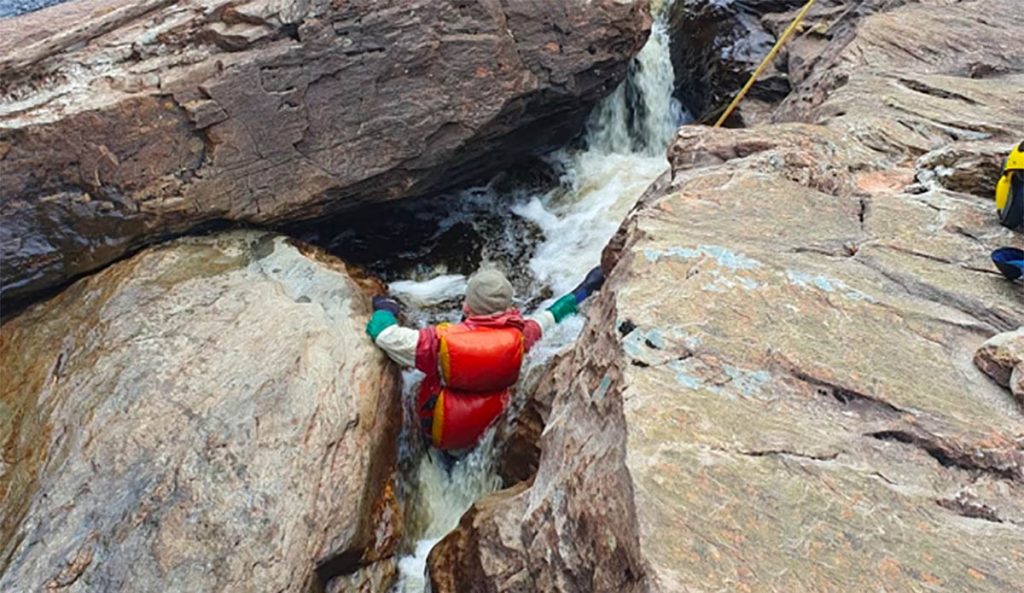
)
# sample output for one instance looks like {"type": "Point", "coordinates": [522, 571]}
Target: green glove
{"type": "Point", "coordinates": [380, 321]}
{"type": "Point", "coordinates": [563, 307]}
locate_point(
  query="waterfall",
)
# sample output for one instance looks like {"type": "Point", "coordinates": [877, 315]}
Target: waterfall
{"type": "Point", "coordinates": [641, 115]}
{"type": "Point", "coordinates": [626, 136]}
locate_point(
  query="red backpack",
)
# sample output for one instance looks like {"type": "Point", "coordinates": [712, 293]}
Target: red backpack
{"type": "Point", "coordinates": [478, 365]}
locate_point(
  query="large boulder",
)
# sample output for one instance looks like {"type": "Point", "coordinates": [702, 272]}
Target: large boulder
{"type": "Point", "coordinates": [775, 389]}
{"type": "Point", "coordinates": [125, 123]}
{"type": "Point", "coordinates": [205, 416]}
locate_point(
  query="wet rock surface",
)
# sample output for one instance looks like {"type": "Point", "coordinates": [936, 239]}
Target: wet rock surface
{"type": "Point", "coordinates": [717, 45]}
{"type": "Point", "coordinates": [378, 577]}
{"type": "Point", "coordinates": [715, 48]}
{"type": "Point", "coordinates": [785, 345]}
{"type": "Point", "coordinates": [424, 238]}
{"type": "Point", "coordinates": [122, 124]}
{"type": "Point", "coordinates": [207, 415]}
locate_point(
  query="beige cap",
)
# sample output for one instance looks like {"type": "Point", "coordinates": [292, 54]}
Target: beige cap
{"type": "Point", "coordinates": [488, 292]}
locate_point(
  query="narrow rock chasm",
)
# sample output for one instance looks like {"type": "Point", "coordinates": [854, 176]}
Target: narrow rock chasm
{"type": "Point", "coordinates": [802, 373]}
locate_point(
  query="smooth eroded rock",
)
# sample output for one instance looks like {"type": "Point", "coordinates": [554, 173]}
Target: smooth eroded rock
{"type": "Point", "coordinates": [928, 88]}
{"type": "Point", "coordinates": [122, 124]}
{"type": "Point", "coordinates": [205, 416]}
{"type": "Point", "coordinates": [805, 416]}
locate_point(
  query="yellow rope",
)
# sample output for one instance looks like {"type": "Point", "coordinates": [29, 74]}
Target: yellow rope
{"type": "Point", "coordinates": [767, 59]}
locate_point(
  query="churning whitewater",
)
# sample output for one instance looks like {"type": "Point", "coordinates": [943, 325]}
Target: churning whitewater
{"type": "Point", "coordinates": [626, 138]}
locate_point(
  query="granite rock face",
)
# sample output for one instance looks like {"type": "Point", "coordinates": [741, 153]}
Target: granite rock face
{"type": "Point", "coordinates": [775, 390]}
{"type": "Point", "coordinates": [122, 124]}
{"type": "Point", "coordinates": [379, 577]}
{"type": "Point", "coordinates": [205, 416]}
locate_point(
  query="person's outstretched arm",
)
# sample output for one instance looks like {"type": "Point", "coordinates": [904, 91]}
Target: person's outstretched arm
{"type": "Point", "coordinates": [569, 304]}
{"type": "Point", "coordinates": [398, 342]}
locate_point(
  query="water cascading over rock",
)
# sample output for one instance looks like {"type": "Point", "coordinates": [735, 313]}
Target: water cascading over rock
{"type": "Point", "coordinates": [571, 222]}
{"type": "Point", "coordinates": [773, 391]}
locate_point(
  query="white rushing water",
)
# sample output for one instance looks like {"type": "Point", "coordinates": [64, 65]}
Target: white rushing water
{"type": "Point", "coordinates": [626, 138]}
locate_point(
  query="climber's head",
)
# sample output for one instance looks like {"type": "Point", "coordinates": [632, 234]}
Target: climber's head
{"type": "Point", "coordinates": [487, 293]}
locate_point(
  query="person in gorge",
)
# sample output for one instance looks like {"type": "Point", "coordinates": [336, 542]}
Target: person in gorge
{"type": "Point", "coordinates": [470, 366]}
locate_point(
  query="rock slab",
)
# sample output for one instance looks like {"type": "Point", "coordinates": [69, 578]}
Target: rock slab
{"type": "Point", "coordinates": [122, 124]}
{"type": "Point", "coordinates": [775, 388]}
{"type": "Point", "coordinates": [205, 416]}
